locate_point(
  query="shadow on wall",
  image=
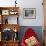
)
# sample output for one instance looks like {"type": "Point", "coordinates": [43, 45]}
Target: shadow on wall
{"type": "Point", "coordinates": [37, 29]}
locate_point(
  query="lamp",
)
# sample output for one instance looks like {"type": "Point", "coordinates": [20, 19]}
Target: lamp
{"type": "Point", "coordinates": [15, 34]}
{"type": "Point", "coordinates": [15, 30]}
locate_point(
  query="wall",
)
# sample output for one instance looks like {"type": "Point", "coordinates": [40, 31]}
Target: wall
{"type": "Point", "coordinates": [39, 13]}
{"type": "Point", "coordinates": [7, 3]}
{"type": "Point", "coordinates": [27, 4]}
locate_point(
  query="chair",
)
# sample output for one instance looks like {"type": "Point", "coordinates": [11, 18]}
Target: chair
{"type": "Point", "coordinates": [28, 34]}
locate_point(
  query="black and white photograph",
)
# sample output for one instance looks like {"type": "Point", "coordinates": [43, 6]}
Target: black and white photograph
{"type": "Point", "coordinates": [29, 13]}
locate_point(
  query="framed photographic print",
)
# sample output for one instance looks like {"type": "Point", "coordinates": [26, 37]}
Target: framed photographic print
{"type": "Point", "coordinates": [29, 13]}
{"type": "Point", "coordinates": [5, 12]}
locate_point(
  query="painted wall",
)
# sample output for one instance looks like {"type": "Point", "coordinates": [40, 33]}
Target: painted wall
{"type": "Point", "coordinates": [39, 13]}
{"type": "Point", "coordinates": [27, 4]}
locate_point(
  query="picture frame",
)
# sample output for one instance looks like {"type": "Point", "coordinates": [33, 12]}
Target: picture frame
{"type": "Point", "coordinates": [5, 12]}
{"type": "Point", "coordinates": [29, 13]}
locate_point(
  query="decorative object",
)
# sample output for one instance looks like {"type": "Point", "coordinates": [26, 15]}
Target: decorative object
{"type": "Point", "coordinates": [6, 21]}
{"type": "Point", "coordinates": [13, 12]}
{"type": "Point", "coordinates": [15, 3]}
{"type": "Point", "coordinates": [7, 34]}
{"type": "Point", "coordinates": [29, 13]}
{"type": "Point", "coordinates": [15, 30]}
{"type": "Point", "coordinates": [5, 12]}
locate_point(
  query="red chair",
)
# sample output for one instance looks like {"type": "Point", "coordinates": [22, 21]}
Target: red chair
{"type": "Point", "coordinates": [29, 33]}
